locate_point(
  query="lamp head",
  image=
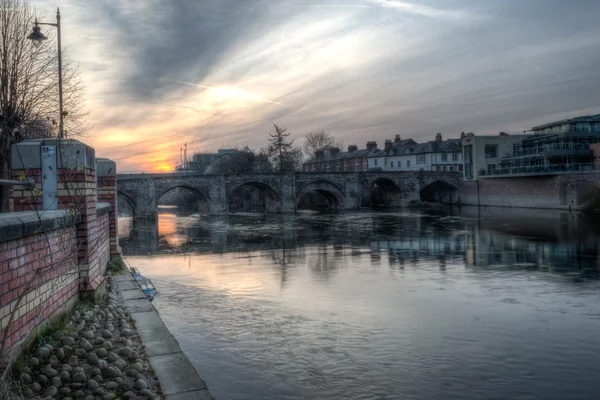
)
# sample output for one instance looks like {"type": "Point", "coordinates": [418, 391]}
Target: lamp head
{"type": "Point", "coordinates": [36, 34]}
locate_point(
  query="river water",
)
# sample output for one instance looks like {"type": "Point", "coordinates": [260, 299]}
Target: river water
{"type": "Point", "coordinates": [465, 304]}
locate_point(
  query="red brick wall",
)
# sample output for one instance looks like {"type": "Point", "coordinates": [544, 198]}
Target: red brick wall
{"type": "Point", "coordinates": [107, 193]}
{"type": "Point", "coordinates": [39, 273]}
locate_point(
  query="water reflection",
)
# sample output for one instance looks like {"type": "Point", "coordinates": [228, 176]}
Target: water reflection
{"type": "Point", "coordinates": [467, 304]}
{"type": "Point", "coordinates": [542, 239]}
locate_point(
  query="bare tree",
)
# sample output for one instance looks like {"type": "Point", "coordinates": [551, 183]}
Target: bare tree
{"type": "Point", "coordinates": [279, 149]}
{"type": "Point", "coordinates": [319, 141]}
{"type": "Point", "coordinates": [29, 86]}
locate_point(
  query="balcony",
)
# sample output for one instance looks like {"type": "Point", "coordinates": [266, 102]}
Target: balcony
{"type": "Point", "coordinates": [552, 169]}
{"type": "Point", "coordinates": [556, 150]}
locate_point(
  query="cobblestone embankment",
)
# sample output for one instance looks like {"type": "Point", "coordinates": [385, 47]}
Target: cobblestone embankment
{"type": "Point", "coordinates": [118, 350]}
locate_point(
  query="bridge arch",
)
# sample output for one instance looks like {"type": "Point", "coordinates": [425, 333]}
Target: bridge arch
{"type": "Point", "coordinates": [320, 194]}
{"type": "Point", "coordinates": [253, 196]}
{"type": "Point", "coordinates": [438, 191]}
{"type": "Point", "coordinates": [128, 199]}
{"type": "Point", "coordinates": [189, 197]}
{"type": "Point", "coordinates": [381, 192]}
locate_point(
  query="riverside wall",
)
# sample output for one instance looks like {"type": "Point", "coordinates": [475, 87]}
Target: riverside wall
{"type": "Point", "coordinates": [567, 191]}
{"type": "Point", "coordinates": [50, 258]}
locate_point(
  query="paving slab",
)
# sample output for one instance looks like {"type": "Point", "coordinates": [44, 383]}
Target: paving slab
{"type": "Point", "coordinates": [176, 373]}
{"type": "Point", "coordinates": [132, 294]}
{"type": "Point", "coordinates": [148, 320]}
{"type": "Point", "coordinates": [128, 285]}
{"type": "Point", "coordinates": [139, 305]}
{"type": "Point", "coordinates": [123, 278]}
{"type": "Point", "coordinates": [193, 395]}
{"type": "Point", "coordinates": [155, 335]}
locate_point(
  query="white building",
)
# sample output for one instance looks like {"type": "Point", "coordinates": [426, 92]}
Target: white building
{"type": "Point", "coordinates": [408, 155]}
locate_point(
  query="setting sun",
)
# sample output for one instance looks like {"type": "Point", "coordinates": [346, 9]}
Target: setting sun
{"type": "Point", "coordinates": [162, 167]}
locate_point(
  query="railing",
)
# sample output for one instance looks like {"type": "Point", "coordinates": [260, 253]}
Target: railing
{"type": "Point", "coordinates": [540, 149]}
{"type": "Point", "coordinates": [8, 182]}
{"type": "Point", "coordinates": [541, 169]}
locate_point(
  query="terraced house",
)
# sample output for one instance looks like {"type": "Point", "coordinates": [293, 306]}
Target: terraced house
{"type": "Point", "coordinates": [408, 155]}
{"type": "Point", "coordinates": [332, 160]}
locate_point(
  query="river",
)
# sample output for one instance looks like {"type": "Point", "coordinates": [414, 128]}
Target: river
{"type": "Point", "coordinates": [485, 303]}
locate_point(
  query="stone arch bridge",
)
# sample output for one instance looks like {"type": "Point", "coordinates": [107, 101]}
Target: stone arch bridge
{"type": "Point", "coordinates": [283, 192]}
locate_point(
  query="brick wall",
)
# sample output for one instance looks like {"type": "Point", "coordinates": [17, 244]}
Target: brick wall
{"type": "Point", "coordinates": [39, 274]}
{"type": "Point", "coordinates": [107, 192]}
{"type": "Point", "coordinates": [48, 257]}
{"type": "Point", "coordinates": [558, 191]}
{"type": "Point", "coordinates": [41, 267]}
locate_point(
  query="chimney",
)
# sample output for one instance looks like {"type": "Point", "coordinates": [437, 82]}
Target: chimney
{"type": "Point", "coordinates": [388, 145]}
{"type": "Point", "coordinates": [352, 148]}
{"type": "Point", "coordinates": [397, 139]}
{"type": "Point", "coordinates": [334, 151]}
{"type": "Point", "coordinates": [470, 134]}
{"type": "Point", "coordinates": [371, 145]}
{"type": "Point", "coordinates": [503, 134]}
{"type": "Point", "coordinates": [438, 137]}
{"type": "Point", "coordinates": [462, 135]}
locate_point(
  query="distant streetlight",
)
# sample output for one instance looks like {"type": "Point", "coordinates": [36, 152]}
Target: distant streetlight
{"type": "Point", "coordinates": [37, 37]}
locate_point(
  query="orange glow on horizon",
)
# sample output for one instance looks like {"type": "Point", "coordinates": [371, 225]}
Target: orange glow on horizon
{"type": "Point", "coordinates": [162, 167]}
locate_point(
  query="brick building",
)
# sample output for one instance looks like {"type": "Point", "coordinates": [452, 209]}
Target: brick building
{"type": "Point", "coordinates": [333, 160]}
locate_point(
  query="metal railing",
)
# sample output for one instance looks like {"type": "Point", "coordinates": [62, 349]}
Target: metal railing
{"type": "Point", "coordinates": [8, 182]}
{"type": "Point", "coordinates": [553, 147]}
{"type": "Point", "coordinates": [540, 169]}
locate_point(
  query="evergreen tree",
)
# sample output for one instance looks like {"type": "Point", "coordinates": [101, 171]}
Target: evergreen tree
{"type": "Point", "coordinates": [280, 149]}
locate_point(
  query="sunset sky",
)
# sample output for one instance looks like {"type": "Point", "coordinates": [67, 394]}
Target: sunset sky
{"type": "Point", "coordinates": [216, 73]}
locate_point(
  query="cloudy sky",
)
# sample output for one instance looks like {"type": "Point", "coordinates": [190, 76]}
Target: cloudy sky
{"type": "Point", "coordinates": [217, 73]}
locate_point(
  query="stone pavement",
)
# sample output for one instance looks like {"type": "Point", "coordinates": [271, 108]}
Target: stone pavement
{"type": "Point", "coordinates": [178, 378]}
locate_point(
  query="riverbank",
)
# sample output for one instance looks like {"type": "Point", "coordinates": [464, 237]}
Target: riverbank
{"type": "Point", "coordinates": [119, 349]}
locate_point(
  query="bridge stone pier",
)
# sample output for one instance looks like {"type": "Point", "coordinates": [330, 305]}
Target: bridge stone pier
{"type": "Point", "coordinates": [282, 193]}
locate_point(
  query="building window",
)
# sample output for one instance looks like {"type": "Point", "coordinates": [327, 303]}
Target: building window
{"type": "Point", "coordinates": [491, 151]}
{"type": "Point", "coordinates": [375, 161]}
{"type": "Point", "coordinates": [421, 159]}
{"type": "Point", "coordinates": [345, 166]}
{"type": "Point", "coordinates": [399, 165]}
{"type": "Point", "coordinates": [460, 167]}
{"type": "Point", "coordinates": [454, 156]}
{"type": "Point", "coordinates": [468, 171]}
{"type": "Point", "coordinates": [491, 168]}
{"type": "Point", "coordinates": [365, 166]}
{"type": "Point", "coordinates": [582, 127]}
{"type": "Point", "coordinates": [444, 157]}
{"type": "Point", "coordinates": [356, 165]}
{"type": "Point", "coordinates": [438, 168]}
{"type": "Point", "coordinates": [408, 163]}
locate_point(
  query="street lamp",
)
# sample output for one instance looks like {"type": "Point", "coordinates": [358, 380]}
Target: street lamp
{"type": "Point", "coordinates": [37, 37]}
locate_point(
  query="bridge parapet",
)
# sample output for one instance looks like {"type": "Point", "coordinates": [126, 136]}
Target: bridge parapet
{"type": "Point", "coordinates": [282, 192]}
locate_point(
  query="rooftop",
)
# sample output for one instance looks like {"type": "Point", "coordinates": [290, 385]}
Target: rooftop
{"type": "Point", "coordinates": [584, 118]}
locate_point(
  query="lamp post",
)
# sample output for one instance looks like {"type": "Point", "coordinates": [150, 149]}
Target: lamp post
{"type": "Point", "coordinates": [37, 37]}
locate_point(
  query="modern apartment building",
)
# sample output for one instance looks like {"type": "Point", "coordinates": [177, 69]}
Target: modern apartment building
{"type": "Point", "coordinates": [483, 154]}
{"type": "Point", "coordinates": [557, 147]}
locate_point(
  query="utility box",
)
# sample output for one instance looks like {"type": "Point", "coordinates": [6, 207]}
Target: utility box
{"type": "Point", "coordinates": [49, 178]}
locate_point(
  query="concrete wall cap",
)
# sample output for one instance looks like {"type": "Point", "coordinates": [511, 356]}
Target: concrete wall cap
{"type": "Point", "coordinates": [71, 153]}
